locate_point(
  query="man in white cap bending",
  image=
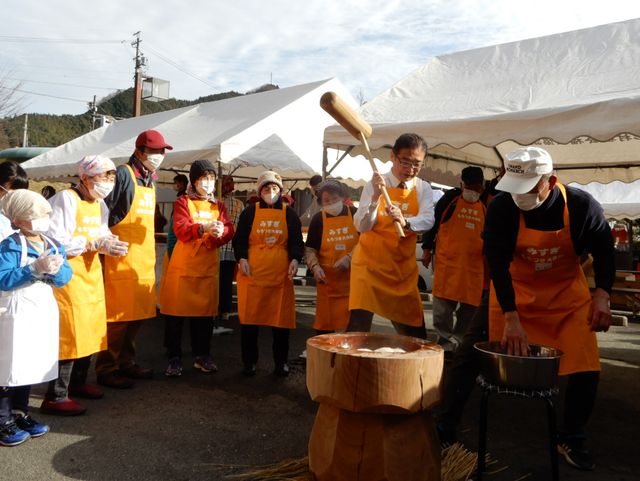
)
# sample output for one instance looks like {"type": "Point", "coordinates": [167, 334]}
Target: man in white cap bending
{"type": "Point", "coordinates": [535, 232]}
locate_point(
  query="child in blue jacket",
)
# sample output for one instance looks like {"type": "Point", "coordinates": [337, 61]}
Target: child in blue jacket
{"type": "Point", "coordinates": [30, 264]}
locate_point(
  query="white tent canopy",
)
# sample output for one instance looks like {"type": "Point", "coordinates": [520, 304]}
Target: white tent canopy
{"type": "Point", "coordinates": [619, 200]}
{"type": "Point", "coordinates": [279, 129]}
{"type": "Point", "coordinates": [576, 94]}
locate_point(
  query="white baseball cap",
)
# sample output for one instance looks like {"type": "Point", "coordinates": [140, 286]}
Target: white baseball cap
{"type": "Point", "coordinates": [523, 169]}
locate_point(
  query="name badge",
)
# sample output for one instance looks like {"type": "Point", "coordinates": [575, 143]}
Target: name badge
{"type": "Point", "coordinates": [270, 240]}
{"type": "Point", "coordinates": [543, 266]}
{"type": "Point", "coordinates": [341, 247]}
{"type": "Point", "coordinates": [470, 225]}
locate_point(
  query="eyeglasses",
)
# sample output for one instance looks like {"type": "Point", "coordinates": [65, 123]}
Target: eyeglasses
{"type": "Point", "coordinates": [409, 164]}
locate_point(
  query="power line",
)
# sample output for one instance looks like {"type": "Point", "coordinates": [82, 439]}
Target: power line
{"type": "Point", "coordinates": [42, 95]}
{"type": "Point", "coordinates": [179, 67]}
{"type": "Point", "coordinates": [17, 39]}
{"type": "Point", "coordinates": [62, 83]}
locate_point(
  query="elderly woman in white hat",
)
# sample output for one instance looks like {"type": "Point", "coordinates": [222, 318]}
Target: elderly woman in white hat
{"type": "Point", "coordinates": [79, 223]}
{"type": "Point", "coordinates": [30, 263]}
{"type": "Point", "coordinates": [268, 246]}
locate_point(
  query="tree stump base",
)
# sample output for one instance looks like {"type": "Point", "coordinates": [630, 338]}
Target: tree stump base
{"type": "Point", "coordinates": [347, 446]}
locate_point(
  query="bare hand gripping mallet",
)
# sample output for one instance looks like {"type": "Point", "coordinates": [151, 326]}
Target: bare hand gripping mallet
{"type": "Point", "coordinates": [351, 121]}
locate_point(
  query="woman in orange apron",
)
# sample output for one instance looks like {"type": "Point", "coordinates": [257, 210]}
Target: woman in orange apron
{"type": "Point", "coordinates": [544, 297]}
{"type": "Point", "coordinates": [189, 289]}
{"type": "Point", "coordinates": [330, 242]}
{"type": "Point", "coordinates": [79, 222]}
{"type": "Point", "coordinates": [268, 246]}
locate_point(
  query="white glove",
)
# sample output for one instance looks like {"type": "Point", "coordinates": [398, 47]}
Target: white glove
{"type": "Point", "coordinates": [318, 273]}
{"type": "Point", "coordinates": [215, 228]}
{"type": "Point", "coordinates": [343, 263]}
{"type": "Point", "coordinates": [243, 265]}
{"type": "Point", "coordinates": [48, 264]}
{"type": "Point", "coordinates": [110, 245]}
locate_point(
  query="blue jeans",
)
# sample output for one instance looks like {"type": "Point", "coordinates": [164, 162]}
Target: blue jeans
{"type": "Point", "coordinates": [13, 398]}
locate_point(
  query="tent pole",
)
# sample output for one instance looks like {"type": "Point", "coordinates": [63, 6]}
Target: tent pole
{"type": "Point", "coordinates": [325, 162]}
{"type": "Point", "coordinates": [346, 152]}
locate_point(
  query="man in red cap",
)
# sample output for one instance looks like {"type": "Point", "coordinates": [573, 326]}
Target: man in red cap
{"type": "Point", "coordinates": [130, 280]}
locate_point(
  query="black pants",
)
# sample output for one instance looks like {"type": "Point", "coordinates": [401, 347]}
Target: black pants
{"type": "Point", "coordinates": [201, 329]}
{"type": "Point", "coordinates": [360, 321]}
{"type": "Point", "coordinates": [227, 270]}
{"type": "Point", "coordinates": [13, 399]}
{"type": "Point", "coordinates": [580, 394]}
{"type": "Point", "coordinates": [249, 342]}
{"type": "Point", "coordinates": [70, 372]}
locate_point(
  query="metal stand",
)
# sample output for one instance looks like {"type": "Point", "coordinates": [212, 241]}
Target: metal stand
{"type": "Point", "coordinates": [546, 395]}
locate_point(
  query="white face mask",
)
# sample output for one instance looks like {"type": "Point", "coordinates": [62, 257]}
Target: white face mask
{"type": "Point", "coordinates": [153, 161]}
{"type": "Point", "coordinates": [527, 201]}
{"type": "Point", "coordinates": [205, 187]}
{"type": "Point", "coordinates": [102, 189]}
{"type": "Point", "coordinates": [271, 197]}
{"type": "Point", "coordinates": [470, 196]}
{"type": "Point", "coordinates": [40, 225]}
{"type": "Point", "coordinates": [333, 209]}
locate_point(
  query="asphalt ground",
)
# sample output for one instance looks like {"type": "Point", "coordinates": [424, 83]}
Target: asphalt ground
{"type": "Point", "coordinates": [204, 427]}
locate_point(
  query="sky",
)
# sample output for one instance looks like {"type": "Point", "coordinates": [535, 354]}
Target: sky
{"type": "Point", "coordinates": [75, 50]}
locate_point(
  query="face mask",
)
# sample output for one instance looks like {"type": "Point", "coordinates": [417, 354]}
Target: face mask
{"type": "Point", "coordinates": [333, 209]}
{"type": "Point", "coordinates": [101, 189]}
{"type": "Point", "coordinates": [206, 187]}
{"type": "Point", "coordinates": [271, 197]}
{"type": "Point", "coordinates": [470, 196]}
{"type": "Point", "coordinates": [40, 225]}
{"type": "Point", "coordinates": [153, 161]}
{"type": "Point", "coordinates": [527, 201]}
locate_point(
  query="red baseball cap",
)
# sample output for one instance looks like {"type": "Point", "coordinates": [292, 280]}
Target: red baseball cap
{"type": "Point", "coordinates": [152, 139]}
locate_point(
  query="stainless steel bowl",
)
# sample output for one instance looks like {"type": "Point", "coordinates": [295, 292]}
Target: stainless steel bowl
{"type": "Point", "coordinates": [536, 371]}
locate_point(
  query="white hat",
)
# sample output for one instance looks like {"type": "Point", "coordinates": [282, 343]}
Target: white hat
{"type": "Point", "coordinates": [93, 165]}
{"type": "Point", "coordinates": [523, 169]}
{"type": "Point", "coordinates": [269, 177]}
{"type": "Point", "coordinates": [23, 204]}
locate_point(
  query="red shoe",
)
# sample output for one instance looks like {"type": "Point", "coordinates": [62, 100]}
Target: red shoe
{"type": "Point", "coordinates": [68, 407]}
{"type": "Point", "coordinates": [86, 391]}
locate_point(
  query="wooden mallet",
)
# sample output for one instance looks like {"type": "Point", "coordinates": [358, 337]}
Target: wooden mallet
{"type": "Point", "coordinates": [351, 121]}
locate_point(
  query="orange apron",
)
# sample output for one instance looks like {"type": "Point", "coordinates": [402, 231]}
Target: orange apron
{"type": "Point", "coordinates": [552, 296]}
{"type": "Point", "coordinates": [384, 270]}
{"type": "Point", "coordinates": [459, 265]}
{"type": "Point", "coordinates": [130, 280]}
{"type": "Point", "coordinates": [83, 315]}
{"type": "Point", "coordinates": [339, 237]}
{"type": "Point", "coordinates": [266, 297]}
{"type": "Point", "coordinates": [190, 286]}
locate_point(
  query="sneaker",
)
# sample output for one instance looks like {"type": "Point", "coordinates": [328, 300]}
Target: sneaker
{"type": "Point", "coordinates": [205, 364]}
{"type": "Point", "coordinates": [220, 331]}
{"type": "Point", "coordinates": [30, 425]}
{"type": "Point", "coordinates": [303, 355]}
{"type": "Point", "coordinates": [136, 372]}
{"type": "Point", "coordinates": [12, 435]}
{"type": "Point", "coordinates": [576, 454]}
{"type": "Point", "coordinates": [174, 369]}
{"type": "Point", "coordinates": [66, 407]}
{"type": "Point", "coordinates": [281, 370]}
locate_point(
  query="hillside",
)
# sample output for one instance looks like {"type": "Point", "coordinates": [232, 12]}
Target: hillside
{"type": "Point", "coordinates": [51, 130]}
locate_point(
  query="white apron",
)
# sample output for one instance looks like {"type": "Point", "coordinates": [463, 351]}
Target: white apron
{"type": "Point", "coordinates": [28, 331]}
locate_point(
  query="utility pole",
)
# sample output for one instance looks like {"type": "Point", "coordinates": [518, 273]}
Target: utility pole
{"type": "Point", "coordinates": [94, 112]}
{"type": "Point", "coordinates": [140, 62]}
{"type": "Point", "coordinates": [25, 134]}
